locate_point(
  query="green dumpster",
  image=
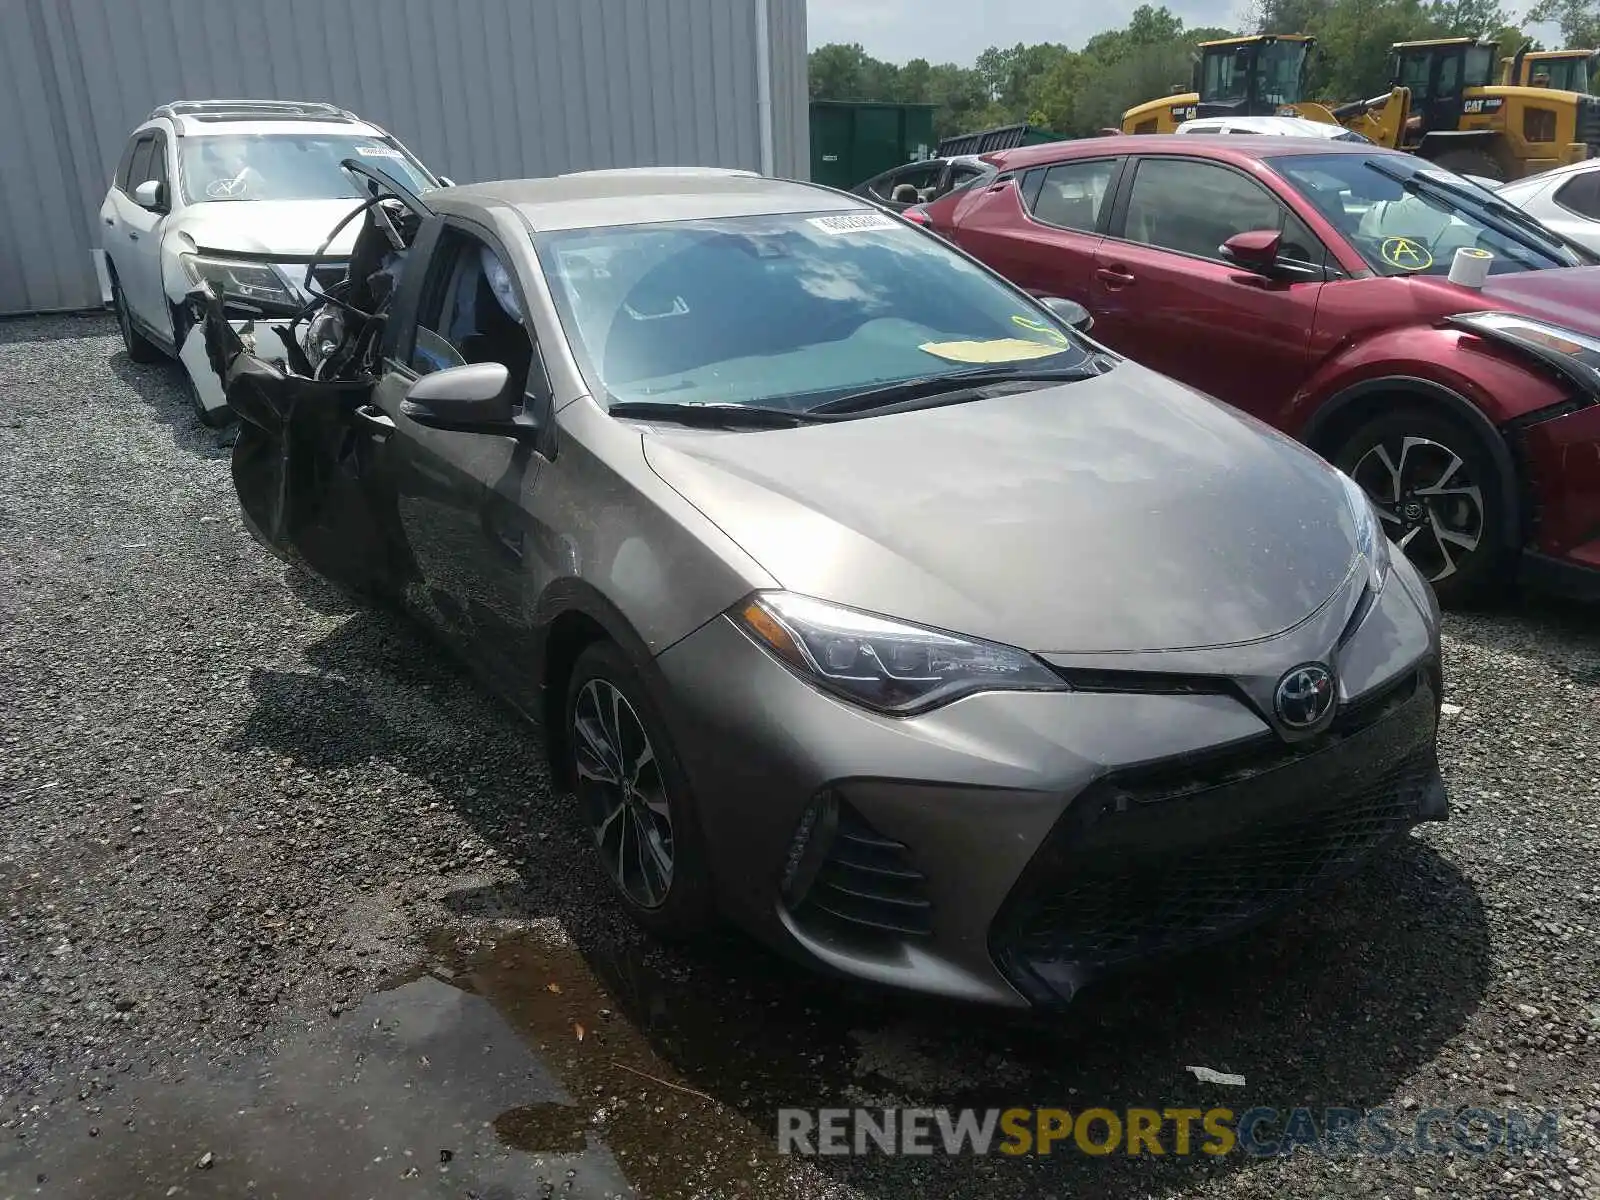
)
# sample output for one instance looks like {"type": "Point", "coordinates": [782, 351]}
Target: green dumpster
{"type": "Point", "coordinates": [851, 141]}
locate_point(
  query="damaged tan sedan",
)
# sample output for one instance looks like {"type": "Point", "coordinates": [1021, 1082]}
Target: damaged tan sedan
{"type": "Point", "coordinates": [862, 596]}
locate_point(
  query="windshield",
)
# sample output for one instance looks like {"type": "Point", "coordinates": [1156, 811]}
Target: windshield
{"type": "Point", "coordinates": [1417, 231]}
{"type": "Point", "coordinates": [287, 166]}
{"type": "Point", "coordinates": [786, 311]}
{"type": "Point", "coordinates": [1565, 74]}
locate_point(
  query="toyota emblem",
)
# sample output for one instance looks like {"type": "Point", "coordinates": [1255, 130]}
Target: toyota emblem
{"type": "Point", "coordinates": [1305, 695]}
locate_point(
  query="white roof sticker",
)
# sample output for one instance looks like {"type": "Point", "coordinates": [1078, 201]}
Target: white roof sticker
{"type": "Point", "coordinates": [853, 222]}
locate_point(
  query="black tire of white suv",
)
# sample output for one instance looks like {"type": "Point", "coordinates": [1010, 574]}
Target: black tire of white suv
{"type": "Point", "coordinates": [140, 348]}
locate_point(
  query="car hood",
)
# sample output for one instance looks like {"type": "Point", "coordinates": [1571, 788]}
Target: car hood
{"type": "Point", "coordinates": [1126, 512]}
{"type": "Point", "coordinates": [287, 228]}
{"type": "Point", "coordinates": [1569, 297]}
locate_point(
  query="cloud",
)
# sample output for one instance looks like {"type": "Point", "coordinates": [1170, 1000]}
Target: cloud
{"type": "Point", "coordinates": [958, 30]}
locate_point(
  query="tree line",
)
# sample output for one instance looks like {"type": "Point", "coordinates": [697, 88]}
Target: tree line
{"type": "Point", "coordinates": [1079, 91]}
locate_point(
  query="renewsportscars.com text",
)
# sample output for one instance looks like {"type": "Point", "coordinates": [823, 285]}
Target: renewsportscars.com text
{"type": "Point", "coordinates": [1257, 1132]}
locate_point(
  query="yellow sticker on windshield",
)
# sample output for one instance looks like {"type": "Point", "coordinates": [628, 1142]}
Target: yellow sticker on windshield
{"type": "Point", "coordinates": [996, 350]}
{"type": "Point", "coordinates": [1035, 325]}
{"type": "Point", "coordinates": [1405, 254]}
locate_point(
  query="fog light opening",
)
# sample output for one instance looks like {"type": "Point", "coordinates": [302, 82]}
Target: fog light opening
{"type": "Point", "coordinates": [808, 849]}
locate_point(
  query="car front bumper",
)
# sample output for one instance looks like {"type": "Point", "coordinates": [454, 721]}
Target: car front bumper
{"type": "Point", "coordinates": [1010, 847]}
{"type": "Point", "coordinates": [1563, 461]}
{"type": "Point", "coordinates": [269, 346]}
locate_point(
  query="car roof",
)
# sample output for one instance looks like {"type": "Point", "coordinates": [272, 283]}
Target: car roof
{"type": "Point", "coordinates": [1225, 147]}
{"type": "Point", "coordinates": [1279, 126]}
{"type": "Point", "coordinates": [643, 196]}
{"type": "Point", "coordinates": [1533, 183]}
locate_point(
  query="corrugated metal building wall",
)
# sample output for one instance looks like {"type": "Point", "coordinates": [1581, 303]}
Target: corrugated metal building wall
{"type": "Point", "coordinates": [480, 89]}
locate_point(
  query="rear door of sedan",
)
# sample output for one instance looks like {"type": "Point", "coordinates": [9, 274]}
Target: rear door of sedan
{"type": "Point", "coordinates": [1164, 296]}
{"type": "Point", "coordinates": [1041, 227]}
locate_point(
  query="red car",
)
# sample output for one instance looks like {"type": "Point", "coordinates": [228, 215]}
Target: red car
{"type": "Point", "coordinates": [1307, 282]}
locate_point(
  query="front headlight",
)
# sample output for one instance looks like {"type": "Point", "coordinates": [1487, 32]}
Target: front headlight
{"type": "Point", "coordinates": [1371, 540]}
{"type": "Point", "coordinates": [885, 665]}
{"type": "Point", "coordinates": [256, 283]}
{"type": "Point", "coordinates": [1575, 355]}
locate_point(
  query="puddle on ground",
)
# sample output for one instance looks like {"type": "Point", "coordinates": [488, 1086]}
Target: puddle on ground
{"type": "Point", "coordinates": [398, 1096]}
{"type": "Point", "coordinates": [612, 1044]}
{"type": "Point", "coordinates": [521, 1066]}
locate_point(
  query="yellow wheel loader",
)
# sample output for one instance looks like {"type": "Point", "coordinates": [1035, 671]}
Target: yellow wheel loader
{"type": "Point", "coordinates": [1445, 106]}
{"type": "Point", "coordinates": [1236, 77]}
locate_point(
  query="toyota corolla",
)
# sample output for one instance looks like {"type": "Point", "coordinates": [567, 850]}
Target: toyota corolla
{"type": "Point", "coordinates": [862, 597]}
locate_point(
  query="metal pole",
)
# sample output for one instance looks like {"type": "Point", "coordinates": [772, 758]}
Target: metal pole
{"type": "Point", "coordinates": [764, 84]}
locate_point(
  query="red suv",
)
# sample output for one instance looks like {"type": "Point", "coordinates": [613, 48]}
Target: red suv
{"type": "Point", "coordinates": [1308, 284]}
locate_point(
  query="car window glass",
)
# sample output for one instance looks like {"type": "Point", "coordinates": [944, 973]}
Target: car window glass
{"type": "Point", "coordinates": [1073, 195]}
{"type": "Point", "coordinates": [287, 166]}
{"type": "Point", "coordinates": [470, 312]}
{"type": "Point", "coordinates": [158, 160]}
{"type": "Point", "coordinates": [1031, 183]}
{"type": "Point", "coordinates": [139, 170]}
{"type": "Point", "coordinates": [785, 309]}
{"type": "Point", "coordinates": [1581, 194]}
{"type": "Point", "coordinates": [1415, 229]}
{"type": "Point", "coordinates": [967, 177]}
{"type": "Point", "coordinates": [1300, 244]}
{"type": "Point", "coordinates": [883, 186]}
{"type": "Point", "coordinates": [1193, 207]}
{"type": "Point", "coordinates": [126, 164]}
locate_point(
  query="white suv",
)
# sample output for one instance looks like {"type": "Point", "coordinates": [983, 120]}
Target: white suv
{"type": "Point", "coordinates": [239, 194]}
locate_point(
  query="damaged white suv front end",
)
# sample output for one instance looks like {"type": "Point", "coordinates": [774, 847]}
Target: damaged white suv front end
{"type": "Point", "coordinates": [235, 197]}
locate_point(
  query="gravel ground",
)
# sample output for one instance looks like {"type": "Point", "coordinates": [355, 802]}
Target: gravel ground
{"type": "Point", "coordinates": [241, 823]}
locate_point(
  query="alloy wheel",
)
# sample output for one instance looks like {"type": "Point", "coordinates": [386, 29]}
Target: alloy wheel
{"type": "Point", "coordinates": [1431, 506]}
{"type": "Point", "coordinates": [623, 793]}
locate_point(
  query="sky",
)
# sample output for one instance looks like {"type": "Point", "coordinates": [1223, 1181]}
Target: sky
{"type": "Point", "coordinates": [958, 30]}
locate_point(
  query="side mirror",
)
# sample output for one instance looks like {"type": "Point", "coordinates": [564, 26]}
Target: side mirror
{"type": "Point", "coordinates": [1256, 250]}
{"type": "Point", "coordinates": [472, 399]}
{"type": "Point", "coordinates": [446, 181]}
{"type": "Point", "coordinates": [1069, 312]}
{"type": "Point", "coordinates": [151, 194]}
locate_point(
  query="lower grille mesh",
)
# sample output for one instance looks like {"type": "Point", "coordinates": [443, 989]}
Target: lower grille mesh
{"type": "Point", "coordinates": [1115, 909]}
{"type": "Point", "coordinates": [1167, 857]}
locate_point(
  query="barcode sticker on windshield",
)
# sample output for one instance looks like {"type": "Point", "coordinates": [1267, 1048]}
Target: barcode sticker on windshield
{"type": "Point", "coordinates": [378, 152]}
{"type": "Point", "coordinates": [852, 223]}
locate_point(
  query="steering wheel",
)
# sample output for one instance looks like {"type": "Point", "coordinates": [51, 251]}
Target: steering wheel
{"type": "Point", "coordinates": [236, 188]}
{"type": "Point", "coordinates": [839, 328]}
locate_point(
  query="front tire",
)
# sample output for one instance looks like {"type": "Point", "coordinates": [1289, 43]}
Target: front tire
{"type": "Point", "coordinates": [634, 797]}
{"type": "Point", "coordinates": [1442, 499]}
{"type": "Point", "coordinates": [140, 348]}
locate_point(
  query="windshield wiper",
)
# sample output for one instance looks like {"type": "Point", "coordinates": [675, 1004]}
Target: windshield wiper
{"type": "Point", "coordinates": [714, 416]}
{"type": "Point", "coordinates": [1479, 198]}
{"type": "Point", "coordinates": [947, 387]}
